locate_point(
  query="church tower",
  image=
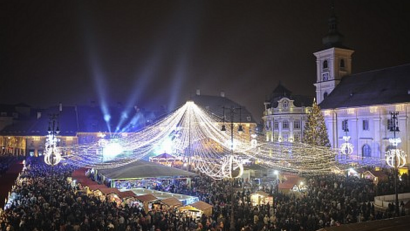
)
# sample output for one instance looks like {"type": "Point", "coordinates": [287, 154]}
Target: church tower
{"type": "Point", "coordinates": [333, 62]}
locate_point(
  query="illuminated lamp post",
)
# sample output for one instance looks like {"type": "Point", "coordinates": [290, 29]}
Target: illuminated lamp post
{"type": "Point", "coordinates": [395, 157]}
{"type": "Point", "coordinates": [232, 160]}
{"type": "Point", "coordinates": [52, 155]}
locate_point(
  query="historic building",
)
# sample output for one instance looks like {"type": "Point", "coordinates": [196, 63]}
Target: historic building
{"type": "Point", "coordinates": [359, 109]}
{"type": "Point", "coordinates": [229, 112]}
{"type": "Point", "coordinates": [24, 130]}
{"type": "Point", "coordinates": [285, 115]}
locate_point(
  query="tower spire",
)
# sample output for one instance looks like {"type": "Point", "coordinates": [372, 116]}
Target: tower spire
{"type": "Point", "coordinates": [333, 38]}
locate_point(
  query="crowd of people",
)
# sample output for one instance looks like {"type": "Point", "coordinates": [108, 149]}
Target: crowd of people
{"type": "Point", "coordinates": [45, 201]}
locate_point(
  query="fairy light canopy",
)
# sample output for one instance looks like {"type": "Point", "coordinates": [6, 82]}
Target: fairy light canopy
{"type": "Point", "coordinates": [196, 135]}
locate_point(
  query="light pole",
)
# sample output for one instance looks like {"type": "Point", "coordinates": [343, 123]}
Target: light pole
{"type": "Point", "coordinates": [395, 157]}
{"type": "Point", "coordinates": [232, 111]}
{"type": "Point", "coordinates": [52, 156]}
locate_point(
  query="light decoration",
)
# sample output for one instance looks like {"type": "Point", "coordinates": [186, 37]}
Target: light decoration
{"type": "Point", "coordinates": [199, 131]}
{"type": "Point", "coordinates": [396, 158]}
{"type": "Point", "coordinates": [52, 154]}
{"type": "Point", "coordinates": [346, 148]}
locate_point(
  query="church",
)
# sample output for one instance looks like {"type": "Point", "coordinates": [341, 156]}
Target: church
{"type": "Point", "coordinates": [366, 114]}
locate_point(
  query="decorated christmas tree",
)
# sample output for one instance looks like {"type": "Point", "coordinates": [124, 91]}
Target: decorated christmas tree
{"type": "Point", "coordinates": [315, 128]}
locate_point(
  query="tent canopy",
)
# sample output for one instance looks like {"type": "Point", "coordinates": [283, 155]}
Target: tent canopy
{"type": "Point", "coordinates": [172, 201]}
{"type": "Point", "coordinates": [143, 169]}
{"type": "Point", "coordinates": [163, 156]}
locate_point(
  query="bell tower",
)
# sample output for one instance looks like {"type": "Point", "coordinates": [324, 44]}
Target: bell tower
{"type": "Point", "coordinates": [333, 62]}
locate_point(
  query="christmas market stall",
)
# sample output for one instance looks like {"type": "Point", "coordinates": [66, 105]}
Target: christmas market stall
{"type": "Point", "coordinates": [171, 202]}
{"type": "Point", "coordinates": [261, 198]}
{"type": "Point", "coordinates": [147, 201]}
{"type": "Point", "coordinates": [195, 210]}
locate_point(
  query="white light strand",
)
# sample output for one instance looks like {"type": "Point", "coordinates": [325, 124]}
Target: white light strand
{"type": "Point", "coordinates": [192, 127]}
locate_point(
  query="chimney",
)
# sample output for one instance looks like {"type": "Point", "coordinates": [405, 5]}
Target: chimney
{"type": "Point", "coordinates": [198, 92]}
{"type": "Point", "coordinates": [60, 107]}
{"type": "Point", "coordinates": [38, 114]}
{"type": "Point", "coordinates": [222, 94]}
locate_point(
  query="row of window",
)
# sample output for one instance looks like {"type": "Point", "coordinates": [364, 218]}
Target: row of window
{"type": "Point", "coordinates": [365, 125]}
{"type": "Point", "coordinates": [285, 125]}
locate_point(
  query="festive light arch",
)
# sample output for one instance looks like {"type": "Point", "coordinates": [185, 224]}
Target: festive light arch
{"type": "Point", "coordinates": [197, 137]}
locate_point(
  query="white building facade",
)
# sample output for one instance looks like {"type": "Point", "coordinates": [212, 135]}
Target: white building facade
{"type": "Point", "coordinates": [357, 107]}
{"type": "Point", "coordinates": [285, 116]}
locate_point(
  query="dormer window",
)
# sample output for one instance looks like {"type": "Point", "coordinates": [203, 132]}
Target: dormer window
{"type": "Point", "coordinates": [325, 66]}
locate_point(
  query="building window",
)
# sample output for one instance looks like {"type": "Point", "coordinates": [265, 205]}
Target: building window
{"type": "Point", "coordinates": [296, 124]}
{"type": "Point", "coordinates": [342, 63]}
{"type": "Point", "coordinates": [276, 125]}
{"type": "Point", "coordinates": [325, 66]}
{"type": "Point", "coordinates": [285, 125]}
{"type": "Point", "coordinates": [366, 151]}
{"type": "Point", "coordinates": [325, 95]}
{"type": "Point", "coordinates": [365, 125]}
{"type": "Point", "coordinates": [345, 125]}
{"type": "Point", "coordinates": [325, 76]}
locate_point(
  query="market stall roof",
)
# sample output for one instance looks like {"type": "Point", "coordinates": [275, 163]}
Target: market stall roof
{"type": "Point", "coordinates": [172, 201]}
{"type": "Point", "coordinates": [143, 169]}
{"type": "Point", "coordinates": [127, 194]}
{"type": "Point", "coordinates": [96, 187]}
{"type": "Point", "coordinates": [146, 198]}
{"type": "Point", "coordinates": [108, 191]}
{"type": "Point", "coordinates": [79, 172]}
{"type": "Point", "coordinates": [201, 205]}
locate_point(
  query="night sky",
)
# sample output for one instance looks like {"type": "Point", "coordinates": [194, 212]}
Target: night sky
{"type": "Point", "coordinates": [156, 53]}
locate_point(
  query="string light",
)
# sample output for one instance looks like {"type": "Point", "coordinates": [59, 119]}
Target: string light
{"type": "Point", "coordinates": [191, 126]}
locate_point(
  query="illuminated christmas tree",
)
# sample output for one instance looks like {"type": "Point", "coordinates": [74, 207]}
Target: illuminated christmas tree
{"type": "Point", "coordinates": [315, 128]}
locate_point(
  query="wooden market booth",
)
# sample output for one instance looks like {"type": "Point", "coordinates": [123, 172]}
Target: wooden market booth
{"type": "Point", "coordinates": [147, 200]}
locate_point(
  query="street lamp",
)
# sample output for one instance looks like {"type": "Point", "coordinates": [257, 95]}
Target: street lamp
{"type": "Point", "coordinates": [232, 160]}
{"type": "Point", "coordinates": [395, 157]}
{"type": "Point", "coordinates": [52, 155]}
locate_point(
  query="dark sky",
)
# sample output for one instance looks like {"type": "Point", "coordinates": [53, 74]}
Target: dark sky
{"type": "Point", "coordinates": [158, 52]}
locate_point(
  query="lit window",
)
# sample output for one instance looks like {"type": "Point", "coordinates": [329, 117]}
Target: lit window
{"type": "Point", "coordinates": [285, 125]}
{"type": "Point", "coordinates": [296, 124]}
{"type": "Point", "coordinates": [365, 125]}
{"type": "Point", "coordinates": [345, 125]}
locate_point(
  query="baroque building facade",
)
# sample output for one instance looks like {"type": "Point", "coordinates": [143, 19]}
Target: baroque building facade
{"type": "Point", "coordinates": [285, 115]}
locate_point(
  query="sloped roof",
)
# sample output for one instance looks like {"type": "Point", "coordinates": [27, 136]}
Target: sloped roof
{"type": "Point", "coordinates": [163, 156]}
{"type": "Point", "coordinates": [201, 205]}
{"type": "Point", "coordinates": [34, 126]}
{"type": "Point", "coordinates": [384, 86]}
{"type": "Point", "coordinates": [282, 92]}
{"type": "Point", "coordinates": [146, 198]}
{"type": "Point", "coordinates": [171, 201]}
{"type": "Point", "coordinates": [215, 105]}
{"type": "Point", "coordinates": [143, 169]}
{"type": "Point", "coordinates": [127, 194]}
